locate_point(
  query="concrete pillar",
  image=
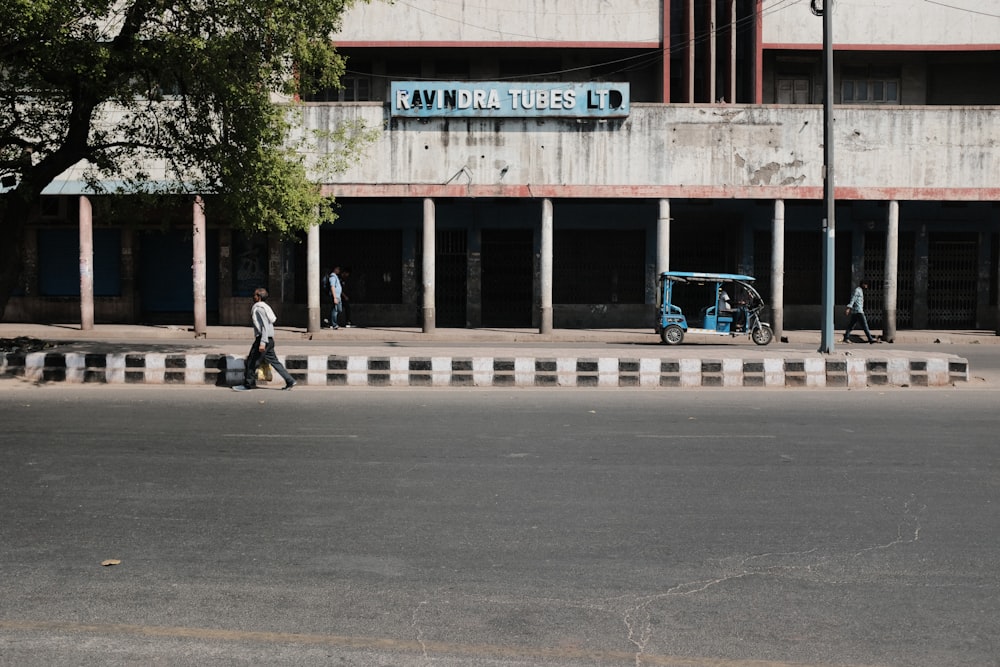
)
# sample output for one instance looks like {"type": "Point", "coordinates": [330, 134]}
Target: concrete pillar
{"type": "Point", "coordinates": [778, 269]}
{"type": "Point", "coordinates": [663, 238]}
{"type": "Point", "coordinates": [891, 283]}
{"type": "Point", "coordinates": [199, 268]}
{"type": "Point", "coordinates": [545, 270]}
{"type": "Point", "coordinates": [429, 268]}
{"type": "Point", "coordinates": [312, 279]}
{"type": "Point", "coordinates": [86, 218]}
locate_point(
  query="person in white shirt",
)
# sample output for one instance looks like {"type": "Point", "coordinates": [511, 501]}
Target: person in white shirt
{"type": "Point", "coordinates": [856, 311]}
{"type": "Point", "coordinates": [263, 319]}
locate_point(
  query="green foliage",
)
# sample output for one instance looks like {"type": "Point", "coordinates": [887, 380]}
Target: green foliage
{"type": "Point", "coordinates": [161, 96]}
{"type": "Point", "coordinates": [273, 193]}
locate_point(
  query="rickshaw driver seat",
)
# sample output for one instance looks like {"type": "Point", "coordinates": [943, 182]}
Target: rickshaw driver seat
{"type": "Point", "coordinates": [725, 308]}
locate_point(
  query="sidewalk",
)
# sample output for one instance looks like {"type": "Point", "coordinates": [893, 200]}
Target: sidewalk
{"type": "Point", "coordinates": [384, 335]}
{"type": "Point", "coordinates": [384, 356]}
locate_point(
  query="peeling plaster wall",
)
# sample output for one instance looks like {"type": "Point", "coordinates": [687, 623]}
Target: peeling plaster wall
{"type": "Point", "coordinates": [695, 151]}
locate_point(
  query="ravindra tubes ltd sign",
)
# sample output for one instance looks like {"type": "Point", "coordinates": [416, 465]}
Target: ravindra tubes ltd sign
{"type": "Point", "coordinates": [452, 99]}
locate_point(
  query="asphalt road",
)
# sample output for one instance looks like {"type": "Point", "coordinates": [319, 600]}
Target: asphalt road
{"type": "Point", "coordinates": [499, 527]}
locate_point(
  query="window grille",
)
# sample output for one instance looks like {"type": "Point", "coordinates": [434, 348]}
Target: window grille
{"type": "Point", "coordinates": [952, 280]}
{"type": "Point", "coordinates": [451, 268]}
{"type": "Point", "coordinates": [863, 85]}
{"type": "Point", "coordinates": [599, 266]}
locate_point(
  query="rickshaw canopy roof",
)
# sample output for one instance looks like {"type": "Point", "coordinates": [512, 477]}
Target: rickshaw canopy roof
{"type": "Point", "coordinates": [697, 277]}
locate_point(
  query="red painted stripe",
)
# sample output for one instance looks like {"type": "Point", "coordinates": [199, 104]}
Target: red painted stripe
{"type": "Point", "coordinates": [417, 190]}
{"type": "Point", "coordinates": [498, 44]}
{"type": "Point", "coordinates": [882, 47]}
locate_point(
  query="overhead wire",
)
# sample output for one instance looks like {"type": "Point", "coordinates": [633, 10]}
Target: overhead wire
{"type": "Point", "coordinates": [778, 5]}
{"type": "Point", "coordinates": [492, 5]}
{"type": "Point", "coordinates": [962, 9]}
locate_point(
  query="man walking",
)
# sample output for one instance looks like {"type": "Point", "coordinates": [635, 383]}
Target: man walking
{"type": "Point", "coordinates": [263, 320]}
{"type": "Point", "coordinates": [856, 311]}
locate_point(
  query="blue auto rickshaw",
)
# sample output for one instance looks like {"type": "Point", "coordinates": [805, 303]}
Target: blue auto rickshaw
{"type": "Point", "coordinates": [714, 304]}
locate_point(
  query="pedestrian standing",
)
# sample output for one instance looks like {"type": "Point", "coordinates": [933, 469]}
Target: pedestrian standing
{"type": "Point", "coordinates": [856, 312]}
{"type": "Point", "coordinates": [263, 319]}
{"type": "Point", "coordinates": [336, 292]}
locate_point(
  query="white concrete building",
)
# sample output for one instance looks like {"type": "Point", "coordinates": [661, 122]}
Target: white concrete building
{"type": "Point", "coordinates": [692, 139]}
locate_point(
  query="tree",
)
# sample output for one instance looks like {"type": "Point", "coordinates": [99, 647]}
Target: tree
{"type": "Point", "coordinates": [161, 96]}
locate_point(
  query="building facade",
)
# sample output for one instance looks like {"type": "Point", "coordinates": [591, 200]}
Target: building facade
{"type": "Point", "coordinates": [538, 163]}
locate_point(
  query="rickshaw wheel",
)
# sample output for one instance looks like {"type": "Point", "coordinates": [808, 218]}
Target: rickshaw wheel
{"type": "Point", "coordinates": [672, 335]}
{"type": "Point", "coordinates": [762, 335]}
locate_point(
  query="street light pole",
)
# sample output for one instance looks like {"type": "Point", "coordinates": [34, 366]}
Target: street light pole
{"type": "Point", "coordinates": [829, 221]}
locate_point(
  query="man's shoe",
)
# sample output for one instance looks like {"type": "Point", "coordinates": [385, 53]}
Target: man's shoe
{"type": "Point", "coordinates": [845, 341]}
{"type": "Point", "coordinates": [289, 385]}
{"type": "Point", "coordinates": [242, 387]}
{"type": "Point", "coordinates": [334, 326]}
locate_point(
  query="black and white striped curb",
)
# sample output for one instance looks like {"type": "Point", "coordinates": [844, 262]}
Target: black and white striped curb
{"type": "Point", "coordinates": [485, 371]}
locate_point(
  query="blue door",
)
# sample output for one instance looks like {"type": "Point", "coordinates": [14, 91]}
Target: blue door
{"type": "Point", "coordinates": [166, 276]}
